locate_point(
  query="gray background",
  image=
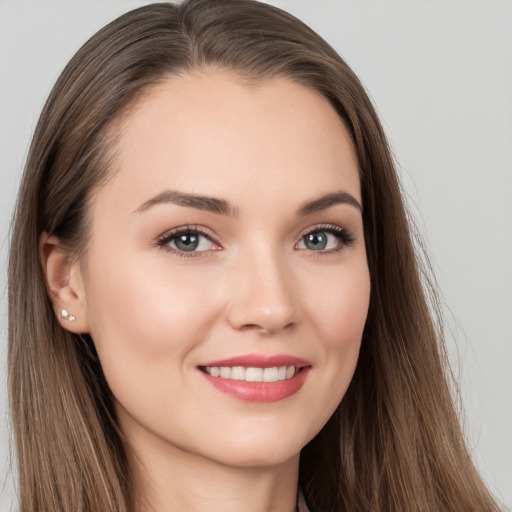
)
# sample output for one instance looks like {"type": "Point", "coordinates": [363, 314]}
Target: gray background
{"type": "Point", "coordinates": [440, 73]}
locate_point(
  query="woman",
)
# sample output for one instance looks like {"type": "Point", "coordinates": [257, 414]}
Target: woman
{"type": "Point", "coordinates": [214, 295]}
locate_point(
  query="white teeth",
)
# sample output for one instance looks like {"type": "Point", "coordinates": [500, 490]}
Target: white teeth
{"type": "Point", "coordinates": [225, 372]}
{"type": "Point", "coordinates": [270, 375]}
{"type": "Point", "coordinates": [238, 373]}
{"type": "Point", "coordinates": [252, 374]}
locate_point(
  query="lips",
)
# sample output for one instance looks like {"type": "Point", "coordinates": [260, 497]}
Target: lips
{"type": "Point", "coordinates": [256, 377]}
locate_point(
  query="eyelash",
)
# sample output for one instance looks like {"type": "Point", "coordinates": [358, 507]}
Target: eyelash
{"type": "Point", "coordinates": [345, 239]}
{"type": "Point", "coordinates": [164, 240]}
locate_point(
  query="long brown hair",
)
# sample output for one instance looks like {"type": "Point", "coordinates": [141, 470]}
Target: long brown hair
{"type": "Point", "coordinates": [394, 443]}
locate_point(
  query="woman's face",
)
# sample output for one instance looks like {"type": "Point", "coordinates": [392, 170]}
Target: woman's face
{"type": "Point", "coordinates": [228, 248]}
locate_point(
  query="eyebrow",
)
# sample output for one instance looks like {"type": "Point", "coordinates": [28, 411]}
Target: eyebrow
{"type": "Point", "coordinates": [209, 204]}
{"type": "Point", "coordinates": [324, 202]}
{"type": "Point", "coordinates": [223, 207]}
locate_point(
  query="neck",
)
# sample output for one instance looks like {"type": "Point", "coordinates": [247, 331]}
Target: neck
{"type": "Point", "coordinates": [169, 479]}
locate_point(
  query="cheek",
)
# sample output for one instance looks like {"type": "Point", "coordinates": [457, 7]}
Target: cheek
{"type": "Point", "coordinates": [341, 305]}
{"type": "Point", "coordinates": [143, 318]}
{"type": "Point", "coordinates": [339, 317]}
{"type": "Point", "coordinates": [336, 319]}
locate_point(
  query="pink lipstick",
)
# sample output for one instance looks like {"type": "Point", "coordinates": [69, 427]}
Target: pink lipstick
{"type": "Point", "coordinates": [257, 377]}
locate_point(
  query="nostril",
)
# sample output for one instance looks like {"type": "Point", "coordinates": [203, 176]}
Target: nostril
{"type": "Point", "coordinates": [265, 327]}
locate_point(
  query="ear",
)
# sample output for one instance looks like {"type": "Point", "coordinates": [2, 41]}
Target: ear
{"type": "Point", "coordinates": [64, 284]}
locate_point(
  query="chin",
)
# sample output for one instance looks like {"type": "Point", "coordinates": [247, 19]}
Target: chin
{"type": "Point", "coordinates": [260, 458]}
{"type": "Point", "coordinates": [261, 449]}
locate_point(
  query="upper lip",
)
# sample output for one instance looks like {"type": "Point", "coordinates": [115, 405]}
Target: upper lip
{"type": "Point", "coordinates": [260, 361]}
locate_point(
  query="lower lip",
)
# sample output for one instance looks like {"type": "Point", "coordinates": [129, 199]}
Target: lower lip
{"type": "Point", "coordinates": [259, 391]}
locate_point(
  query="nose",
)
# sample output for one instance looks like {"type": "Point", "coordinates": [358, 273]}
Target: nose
{"type": "Point", "coordinates": [263, 297]}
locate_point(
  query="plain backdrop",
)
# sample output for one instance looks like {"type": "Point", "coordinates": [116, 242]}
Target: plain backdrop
{"type": "Point", "coordinates": [440, 74]}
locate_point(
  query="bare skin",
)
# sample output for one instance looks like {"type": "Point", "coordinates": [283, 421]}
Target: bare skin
{"type": "Point", "coordinates": [168, 284]}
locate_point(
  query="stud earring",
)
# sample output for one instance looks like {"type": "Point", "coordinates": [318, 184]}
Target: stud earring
{"type": "Point", "coordinates": [66, 316]}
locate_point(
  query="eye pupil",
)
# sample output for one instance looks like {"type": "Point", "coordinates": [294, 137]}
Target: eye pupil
{"type": "Point", "coordinates": [187, 242]}
{"type": "Point", "coordinates": [316, 241]}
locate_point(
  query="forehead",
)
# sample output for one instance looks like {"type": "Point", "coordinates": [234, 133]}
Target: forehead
{"type": "Point", "coordinates": [214, 134]}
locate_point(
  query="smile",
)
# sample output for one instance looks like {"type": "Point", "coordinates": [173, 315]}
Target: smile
{"type": "Point", "coordinates": [252, 374]}
{"type": "Point", "coordinates": [256, 377]}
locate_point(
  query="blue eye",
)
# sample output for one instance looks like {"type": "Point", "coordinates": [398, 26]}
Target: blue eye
{"type": "Point", "coordinates": [319, 241]}
{"type": "Point", "coordinates": [332, 238]}
{"type": "Point", "coordinates": [187, 241]}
